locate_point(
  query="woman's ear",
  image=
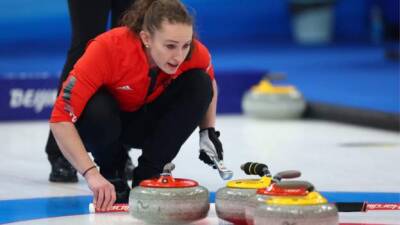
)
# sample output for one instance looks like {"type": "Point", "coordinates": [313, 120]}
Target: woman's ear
{"type": "Point", "coordinates": [145, 37]}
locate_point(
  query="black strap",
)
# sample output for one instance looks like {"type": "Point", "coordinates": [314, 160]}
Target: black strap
{"type": "Point", "coordinates": [153, 72]}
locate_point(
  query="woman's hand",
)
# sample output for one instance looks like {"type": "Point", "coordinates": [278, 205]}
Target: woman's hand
{"type": "Point", "coordinates": [103, 191]}
{"type": "Point", "coordinates": [210, 146]}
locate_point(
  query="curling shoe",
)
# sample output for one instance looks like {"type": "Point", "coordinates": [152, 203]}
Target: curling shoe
{"type": "Point", "coordinates": [62, 171]}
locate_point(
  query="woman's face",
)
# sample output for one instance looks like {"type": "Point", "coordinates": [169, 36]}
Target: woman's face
{"type": "Point", "coordinates": [168, 46]}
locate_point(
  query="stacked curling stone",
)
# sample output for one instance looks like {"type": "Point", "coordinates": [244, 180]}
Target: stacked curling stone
{"type": "Point", "coordinates": [267, 101]}
{"type": "Point", "coordinates": [230, 200]}
{"type": "Point", "coordinates": [294, 203]}
{"type": "Point", "coordinates": [282, 188]}
{"type": "Point", "coordinates": [168, 200]}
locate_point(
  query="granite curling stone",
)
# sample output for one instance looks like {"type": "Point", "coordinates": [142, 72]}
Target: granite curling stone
{"type": "Point", "coordinates": [169, 200]}
{"type": "Point", "coordinates": [309, 209]}
{"type": "Point", "coordinates": [281, 188]}
{"type": "Point", "coordinates": [266, 101]}
{"type": "Point", "coordinates": [230, 200]}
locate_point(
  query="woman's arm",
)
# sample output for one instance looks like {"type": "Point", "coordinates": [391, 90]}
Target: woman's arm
{"type": "Point", "coordinates": [210, 145]}
{"type": "Point", "coordinates": [209, 119]}
{"type": "Point", "coordinates": [71, 146]}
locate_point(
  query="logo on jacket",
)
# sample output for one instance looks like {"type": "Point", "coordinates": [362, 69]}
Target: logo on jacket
{"type": "Point", "coordinates": [125, 88]}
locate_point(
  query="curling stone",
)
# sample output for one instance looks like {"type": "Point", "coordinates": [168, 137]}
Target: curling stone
{"type": "Point", "coordinates": [281, 188]}
{"type": "Point", "coordinates": [230, 200]}
{"type": "Point", "coordinates": [309, 209]}
{"type": "Point", "coordinates": [169, 200]}
{"type": "Point", "coordinates": [267, 101]}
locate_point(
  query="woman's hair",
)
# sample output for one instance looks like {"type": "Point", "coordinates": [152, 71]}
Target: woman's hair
{"type": "Point", "coordinates": [149, 14]}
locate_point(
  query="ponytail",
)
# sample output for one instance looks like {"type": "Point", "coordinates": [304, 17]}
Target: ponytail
{"type": "Point", "coordinates": [149, 14]}
{"type": "Point", "coordinates": [134, 16]}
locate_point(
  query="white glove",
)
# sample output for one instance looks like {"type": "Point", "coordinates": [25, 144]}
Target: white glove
{"type": "Point", "coordinates": [210, 146]}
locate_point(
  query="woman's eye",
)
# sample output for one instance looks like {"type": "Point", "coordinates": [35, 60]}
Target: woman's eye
{"type": "Point", "coordinates": [170, 46]}
{"type": "Point", "coordinates": [186, 46]}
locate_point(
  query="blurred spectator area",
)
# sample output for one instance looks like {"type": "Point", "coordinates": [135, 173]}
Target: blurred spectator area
{"type": "Point", "coordinates": [31, 25]}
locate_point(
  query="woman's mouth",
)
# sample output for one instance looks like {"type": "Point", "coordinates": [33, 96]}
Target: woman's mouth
{"type": "Point", "coordinates": [173, 65]}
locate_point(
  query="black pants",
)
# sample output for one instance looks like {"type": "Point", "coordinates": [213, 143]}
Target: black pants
{"type": "Point", "coordinates": [89, 18]}
{"type": "Point", "coordinates": [159, 128]}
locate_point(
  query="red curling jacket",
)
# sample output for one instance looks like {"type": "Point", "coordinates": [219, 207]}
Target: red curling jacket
{"type": "Point", "coordinates": [117, 61]}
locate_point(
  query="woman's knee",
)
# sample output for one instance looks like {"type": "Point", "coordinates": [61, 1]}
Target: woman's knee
{"type": "Point", "coordinates": [101, 106]}
{"type": "Point", "coordinates": [198, 84]}
{"type": "Point", "coordinates": [100, 120]}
